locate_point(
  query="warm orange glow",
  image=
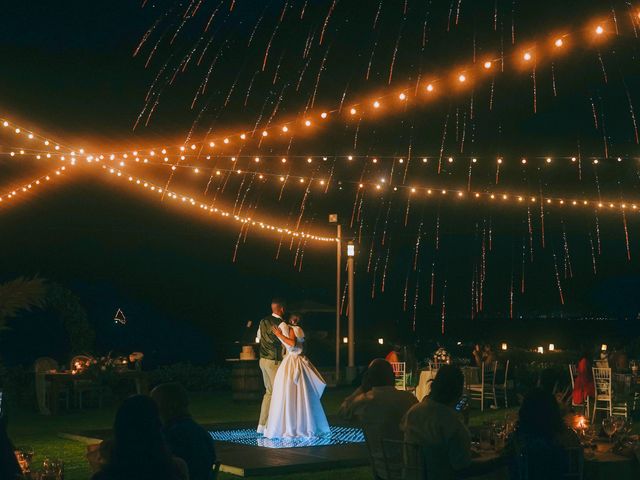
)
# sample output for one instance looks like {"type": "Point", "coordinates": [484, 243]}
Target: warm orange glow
{"type": "Point", "coordinates": [599, 30]}
{"type": "Point", "coordinates": [353, 111]}
{"type": "Point", "coordinates": [402, 96]}
{"type": "Point", "coordinates": [430, 88]}
{"type": "Point", "coordinates": [307, 123]}
{"type": "Point", "coordinates": [323, 115]}
{"type": "Point", "coordinates": [462, 78]}
{"type": "Point", "coordinates": [487, 65]}
{"type": "Point", "coordinates": [559, 42]}
{"type": "Point", "coordinates": [527, 56]}
{"type": "Point", "coordinates": [285, 129]}
{"type": "Point", "coordinates": [376, 104]}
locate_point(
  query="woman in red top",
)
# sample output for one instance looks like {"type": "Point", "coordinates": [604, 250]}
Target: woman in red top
{"type": "Point", "coordinates": [583, 384]}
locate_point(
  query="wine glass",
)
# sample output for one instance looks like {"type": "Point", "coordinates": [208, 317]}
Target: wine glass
{"type": "Point", "coordinates": [609, 425]}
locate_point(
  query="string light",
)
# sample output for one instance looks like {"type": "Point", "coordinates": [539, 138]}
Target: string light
{"type": "Point", "coordinates": [377, 103]}
{"type": "Point", "coordinates": [220, 212]}
{"type": "Point", "coordinates": [18, 191]}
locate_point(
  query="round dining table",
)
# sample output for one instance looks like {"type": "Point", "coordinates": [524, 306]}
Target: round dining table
{"type": "Point", "coordinates": [601, 464]}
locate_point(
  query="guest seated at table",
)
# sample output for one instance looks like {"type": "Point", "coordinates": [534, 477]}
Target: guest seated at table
{"type": "Point", "coordinates": [435, 425]}
{"type": "Point", "coordinates": [583, 386]}
{"type": "Point", "coordinates": [477, 355]}
{"type": "Point", "coordinates": [186, 439]}
{"type": "Point", "coordinates": [9, 468]}
{"type": "Point", "coordinates": [383, 406]}
{"type": "Point", "coordinates": [488, 355]}
{"type": "Point", "coordinates": [538, 448]}
{"type": "Point", "coordinates": [138, 450]}
{"type": "Point", "coordinates": [345, 407]}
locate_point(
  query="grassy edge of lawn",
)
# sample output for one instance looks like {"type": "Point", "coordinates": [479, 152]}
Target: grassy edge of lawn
{"type": "Point", "coordinates": [42, 432]}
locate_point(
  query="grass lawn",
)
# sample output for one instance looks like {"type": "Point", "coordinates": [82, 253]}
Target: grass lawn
{"type": "Point", "coordinates": [40, 432]}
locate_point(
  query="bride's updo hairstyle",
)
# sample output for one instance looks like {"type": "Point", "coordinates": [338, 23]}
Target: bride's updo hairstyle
{"type": "Point", "coordinates": [296, 315]}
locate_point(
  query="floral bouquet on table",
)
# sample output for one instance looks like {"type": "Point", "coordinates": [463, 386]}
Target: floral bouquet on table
{"type": "Point", "coordinates": [102, 370]}
{"type": "Point", "coordinates": [441, 357]}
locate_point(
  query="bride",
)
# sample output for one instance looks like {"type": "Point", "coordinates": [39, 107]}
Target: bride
{"type": "Point", "coordinates": [295, 409]}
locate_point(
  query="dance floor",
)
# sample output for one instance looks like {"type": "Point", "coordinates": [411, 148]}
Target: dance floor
{"type": "Point", "coordinates": [245, 453]}
{"type": "Point", "coordinates": [249, 437]}
{"type": "Point", "coordinates": [241, 451]}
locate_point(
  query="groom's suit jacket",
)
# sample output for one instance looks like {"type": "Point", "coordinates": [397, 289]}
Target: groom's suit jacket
{"type": "Point", "coordinates": [270, 346]}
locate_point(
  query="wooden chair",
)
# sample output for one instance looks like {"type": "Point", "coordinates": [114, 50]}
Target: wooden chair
{"type": "Point", "coordinates": [604, 393]}
{"type": "Point", "coordinates": [403, 461]}
{"type": "Point", "coordinates": [400, 372]}
{"type": "Point", "coordinates": [503, 388]}
{"type": "Point", "coordinates": [42, 366]}
{"type": "Point", "coordinates": [486, 390]}
{"type": "Point", "coordinates": [573, 374]}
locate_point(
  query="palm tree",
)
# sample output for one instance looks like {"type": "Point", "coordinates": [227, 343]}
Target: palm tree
{"type": "Point", "coordinates": [21, 294]}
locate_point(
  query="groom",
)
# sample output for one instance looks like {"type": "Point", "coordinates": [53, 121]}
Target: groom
{"type": "Point", "coordinates": [270, 355]}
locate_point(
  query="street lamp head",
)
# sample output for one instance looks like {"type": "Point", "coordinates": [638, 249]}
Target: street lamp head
{"type": "Point", "coordinates": [351, 250]}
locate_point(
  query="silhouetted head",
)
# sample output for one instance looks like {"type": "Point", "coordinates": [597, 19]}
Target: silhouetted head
{"type": "Point", "coordinates": [540, 415]}
{"type": "Point", "coordinates": [172, 401]}
{"type": "Point", "coordinates": [379, 374]}
{"type": "Point", "coordinates": [139, 450]}
{"type": "Point", "coordinates": [447, 387]}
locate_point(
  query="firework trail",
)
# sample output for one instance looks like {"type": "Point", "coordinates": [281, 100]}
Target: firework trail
{"type": "Point", "coordinates": [535, 90]}
{"type": "Point", "coordinates": [395, 51]}
{"type": "Point", "coordinates": [406, 213]}
{"type": "Point", "coordinates": [386, 224]}
{"type": "Point", "coordinates": [326, 20]}
{"type": "Point", "coordinates": [315, 89]}
{"type": "Point", "coordinates": [631, 111]}
{"type": "Point", "coordinates": [438, 230]}
{"type": "Point", "coordinates": [593, 255]}
{"type": "Point", "coordinates": [493, 82]}
{"type": "Point", "coordinates": [444, 136]}
{"type": "Point", "coordinates": [530, 229]}
{"type": "Point", "coordinates": [511, 298]}
{"type": "Point", "coordinates": [568, 271]}
{"type": "Point", "coordinates": [443, 313]}
{"type": "Point", "coordinates": [406, 290]}
{"type": "Point", "coordinates": [553, 80]}
{"type": "Point", "coordinates": [604, 71]}
{"type": "Point", "coordinates": [417, 247]}
{"type": "Point", "coordinates": [626, 235]}
{"type": "Point", "coordinates": [558, 283]}
{"type": "Point", "coordinates": [542, 219]}
{"type": "Point", "coordinates": [449, 16]}
{"type": "Point", "coordinates": [598, 234]}
{"type": "Point", "coordinates": [246, 97]}
{"type": "Point", "coordinates": [374, 277]}
{"type": "Point", "coordinates": [375, 20]}
{"type": "Point", "coordinates": [384, 271]}
{"type": "Point", "coordinates": [524, 255]}
{"type": "Point", "coordinates": [415, 300]}
{"type": "Point", "coordinates": [433, 283]}
{"type": "Point", "coordinates": [593, 111]}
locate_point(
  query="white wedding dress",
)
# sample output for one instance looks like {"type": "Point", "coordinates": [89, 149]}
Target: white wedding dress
{"type": "Point", "coordinates": [295, 409]}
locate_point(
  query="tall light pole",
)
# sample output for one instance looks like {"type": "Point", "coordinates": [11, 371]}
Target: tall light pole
{"type": "Point", "coordinates": [333, 218]}
{"type": "Point", "coordinates": [351, 368]}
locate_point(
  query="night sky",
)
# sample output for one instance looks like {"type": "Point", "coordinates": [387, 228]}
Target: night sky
{"type": "Point", "coordinates": [70, 72]}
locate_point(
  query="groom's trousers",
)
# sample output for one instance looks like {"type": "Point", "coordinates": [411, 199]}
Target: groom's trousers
{"type": "Point", "coordinates": [269, 369]}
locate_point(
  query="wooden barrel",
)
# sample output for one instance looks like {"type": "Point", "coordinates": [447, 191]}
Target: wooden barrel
{"type": "Point", "coordinates": [246, 380]}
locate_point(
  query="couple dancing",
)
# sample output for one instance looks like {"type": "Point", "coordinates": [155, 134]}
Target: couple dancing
{"type": "Point", "coordinates": [291, 405]}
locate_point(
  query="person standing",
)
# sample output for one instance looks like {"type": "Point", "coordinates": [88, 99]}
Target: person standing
{"type": "Point", "coordinates": [270, 354]}
{"type": "Point", "coordinates": [296, 410]}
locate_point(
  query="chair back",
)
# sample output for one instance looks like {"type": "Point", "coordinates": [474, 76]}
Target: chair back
{"type": "Point", "coordinates": [400, 372]}
{"type": "Point", "coordinates": [601, 363]}
{"type": "Point", "coordinates": [489, 373]}
{"type": "Point", "coordinates": [622, 383]}
{"type": "Point", "coordinates": [602, 381]}
{"type": "Point", "coordinates": [403, 461]}
{"type": "Point", "coordinates": [45, 364]}
{"type": "Point", "coordinates": [373, 441]}
{"type": "Point", "coordinates": [573, 373]}
{"type": "Point", "coordinates": [506, 375]}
